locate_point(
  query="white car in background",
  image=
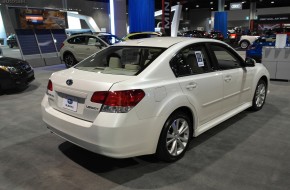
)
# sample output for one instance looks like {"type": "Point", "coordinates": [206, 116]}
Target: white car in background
{"type": "Point", "coordinates": [246, 40]}
{"type": "Point", "coordinates": [81, 46]}
{"type": "Point", "coordinates": [151, 96]}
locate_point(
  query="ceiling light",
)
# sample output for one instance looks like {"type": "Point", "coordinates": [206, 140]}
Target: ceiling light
{"type": "Point", "coordinates": [244, 2]}
{"type": "Point", "coordinates": [272, 2]}
{"type": "Point", "coordinates": [197, 6]}
{"type": "Point", "coordinates": [211, 8]}
{"type": "Point", "coordinates": [211, 2]}
{"type": "Point", "coordinates": [226, 5]}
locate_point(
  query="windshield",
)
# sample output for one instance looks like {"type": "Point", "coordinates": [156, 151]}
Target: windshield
{"type": "Point", "coordinates": [120, 60]}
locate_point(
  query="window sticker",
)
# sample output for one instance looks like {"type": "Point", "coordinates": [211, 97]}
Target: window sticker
{"type": "Point", "coordinates": [199, 58]}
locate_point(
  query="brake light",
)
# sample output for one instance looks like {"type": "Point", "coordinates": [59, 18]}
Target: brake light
{"type": "Point", "coordinates": [62, 44]}
{"type": "Point", "coordinates": [232, 36]}
{"type": "Point", "coordinates": [49, 85]}
{"type": "Point", "coordinates": [118, 101]}
{"type": "Point", "coordinates": [99, 97]}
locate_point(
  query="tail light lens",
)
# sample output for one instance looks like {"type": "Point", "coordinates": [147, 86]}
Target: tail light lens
{"type": "Point", "coordinates": [62, 44]}
{"type": "Point", "coordinates": [99, 97]}
{"type": "Point", "coordinates": [118, 101]}
{"type": "Point", "coordinates": [233, 36]}
{"type": "Point", "coordinates": [49, 86]}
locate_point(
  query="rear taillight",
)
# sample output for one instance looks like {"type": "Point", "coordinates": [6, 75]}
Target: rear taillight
{"type": "Point", "coordinates": [62, 44]}
{"type": "Point", "coordinates": [233, 36]}
{"type": "Point", "coordinates": [49, 86]}
{"type": "Point", "coordinates": [118, 101]}
{"type": "Point", "coordinates": [99, 97]}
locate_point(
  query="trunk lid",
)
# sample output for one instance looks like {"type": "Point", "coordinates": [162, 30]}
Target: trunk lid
{"type": "Point", "coordinates": [73, 89]}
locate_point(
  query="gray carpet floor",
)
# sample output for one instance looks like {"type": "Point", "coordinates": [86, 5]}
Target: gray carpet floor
{"type": "Point", "coordinates": [250, 151]}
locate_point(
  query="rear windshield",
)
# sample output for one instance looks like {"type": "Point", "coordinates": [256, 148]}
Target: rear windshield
{"type": "Point", "coordinates": [119, 60]}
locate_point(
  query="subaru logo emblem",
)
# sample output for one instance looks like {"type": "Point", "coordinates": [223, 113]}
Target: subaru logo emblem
{"type": "Point", "coordinates": [69, 101]}
{"type": "Point", "coordinates": [69, 82]}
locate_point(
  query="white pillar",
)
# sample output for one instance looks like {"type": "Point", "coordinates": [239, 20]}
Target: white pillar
{"type": "Point", "coordinates": [221, 5]}
{"type": "Point", "coordinates": [2, 29]}
{"type": "Point", "coordinates": [120, 17]}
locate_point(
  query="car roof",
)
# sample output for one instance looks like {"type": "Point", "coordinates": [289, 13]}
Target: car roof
{"type": "Point", "coordinates": [88, 34]}
{"type": "Point", "coordinates": [134, 33]}
{"type": "Point", "coordinates": [164, 42]}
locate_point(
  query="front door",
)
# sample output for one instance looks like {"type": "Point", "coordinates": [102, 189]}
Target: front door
{"type": "Point", "coordinates": [236, 79]}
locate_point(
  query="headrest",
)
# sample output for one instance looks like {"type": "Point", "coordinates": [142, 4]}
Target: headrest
{"type": "Point", "coordinates": [132, 67]}
{"type": "Point", "coordinates": [115, 62]}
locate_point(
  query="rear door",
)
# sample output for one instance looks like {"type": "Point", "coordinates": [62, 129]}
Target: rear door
{"type": "Point", "coordinates": [199, 81]}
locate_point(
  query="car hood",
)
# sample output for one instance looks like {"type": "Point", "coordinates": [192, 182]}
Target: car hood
{"type": "Point", "coordinates": [8, 61]}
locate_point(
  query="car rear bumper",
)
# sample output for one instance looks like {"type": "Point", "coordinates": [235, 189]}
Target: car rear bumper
{"type": "Point", "coordinates": [111, 134]}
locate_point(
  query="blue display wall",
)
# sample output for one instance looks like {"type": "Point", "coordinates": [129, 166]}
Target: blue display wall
{"type": "Point", "coordinates": [221, 22]}
{"type": "Point", "coordinates": [141, 15]}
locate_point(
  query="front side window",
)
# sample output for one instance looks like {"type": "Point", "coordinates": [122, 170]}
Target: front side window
{"type": "Point", "coordinates": [120, 60]}
{"type": "Point", "coordinates": [191, 60]}
{"type": "Point", "coordinates": [225, 59]}
{"type": "Point", "coordinates": [93, 41]}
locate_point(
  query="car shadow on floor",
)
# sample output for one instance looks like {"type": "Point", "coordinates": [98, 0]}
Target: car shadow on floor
{"type": "Point", "coordinates": [25, 89]}
{"type": "Point", "coordinates": [204, 151]}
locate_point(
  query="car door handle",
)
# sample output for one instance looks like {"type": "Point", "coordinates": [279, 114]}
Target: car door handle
{"type": "Point", "coordinates": [190, 86]}
{"type": "Point", "coordinates": [228, 78]}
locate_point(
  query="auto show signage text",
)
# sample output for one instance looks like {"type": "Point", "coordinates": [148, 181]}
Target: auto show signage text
{"type": "Point", "coordinates": [13, 1]}
{"type": "Point", "coordinates": [166, 15]}
{"type": "Point", "coordinates": [285, 17]}
{"type": "Point", "coordinates": [236, 6]}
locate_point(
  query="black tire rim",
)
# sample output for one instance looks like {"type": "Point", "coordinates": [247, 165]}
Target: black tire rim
{"type": "Point", "coordinates": [69, 60]}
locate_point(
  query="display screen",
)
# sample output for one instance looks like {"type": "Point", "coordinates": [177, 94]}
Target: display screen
{"type": "Point", "coordinates": [34, 19]}
{"type": "Point", "coordinates": [41, 19]}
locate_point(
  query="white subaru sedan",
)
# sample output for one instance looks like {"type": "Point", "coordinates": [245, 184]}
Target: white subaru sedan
{"type": "Point", "coordinates": [151, 96]}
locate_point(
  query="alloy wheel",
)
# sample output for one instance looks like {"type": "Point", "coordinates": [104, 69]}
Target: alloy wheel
{"type": "Point", "coordinates": [177, 137]}
{"type": "Point", "coordinates": [244, 45]}
{"type": "Point", "coordinates": [260, 94]}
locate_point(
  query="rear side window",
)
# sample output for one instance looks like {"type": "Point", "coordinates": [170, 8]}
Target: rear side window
{"type": "Point", "coordinates": [81, 40]}
{"type": "Point", "coordinates": [119, 60]}
{"type": "Point", "coordinates": [191, 60]}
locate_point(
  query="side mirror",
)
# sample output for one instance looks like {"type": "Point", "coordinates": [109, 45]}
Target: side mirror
{"type": "Point", "coordinates": [249, 62]}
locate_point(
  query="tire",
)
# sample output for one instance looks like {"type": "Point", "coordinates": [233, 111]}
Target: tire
{"type": "Point", "coordinates": [11, 46]}
{"type": "Point", "coordinates": [173, 143]}
{"type": "Point", "coordinates": [244, 44]}
{"type": "Point", "coordinates": [259, 96]}
{"type": "Point", "coordinates": [69, 60]}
